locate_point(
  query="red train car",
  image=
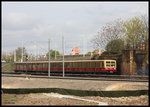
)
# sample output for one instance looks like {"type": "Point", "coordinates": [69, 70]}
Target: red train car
{"type": "Point", "coordinates": [80, 66]}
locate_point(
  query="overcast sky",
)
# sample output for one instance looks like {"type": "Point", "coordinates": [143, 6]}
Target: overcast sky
{"type": "Point", "coordinates": [36, 22]}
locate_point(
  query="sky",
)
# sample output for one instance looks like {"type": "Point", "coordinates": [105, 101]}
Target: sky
{"type": "Point", "coordinates": [31, 24]}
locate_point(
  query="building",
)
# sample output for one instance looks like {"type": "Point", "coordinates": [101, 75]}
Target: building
{"type": "Point", "coordinates": [75, 51]}
{"type": "Point", "coordinates": [98, 52]}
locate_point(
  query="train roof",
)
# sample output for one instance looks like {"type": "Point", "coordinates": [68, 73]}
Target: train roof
{"type": "Point", "coordinates": [66, 61]}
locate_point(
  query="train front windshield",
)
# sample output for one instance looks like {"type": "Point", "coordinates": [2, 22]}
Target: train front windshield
{"type": "Point", "coordinates": [110, 64]}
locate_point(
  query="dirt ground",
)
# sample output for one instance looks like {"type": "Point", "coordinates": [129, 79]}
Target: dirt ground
{"type": "Point", "coordinates": [42, 99]}
{"type": "Point", "coordinates": [92, 85]}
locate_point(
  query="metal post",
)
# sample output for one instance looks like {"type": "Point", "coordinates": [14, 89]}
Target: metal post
{"type": "Point", "coordinates": [83, 47]}
{"type": "Point", "coordinates": [55, 50]}
{"type": "Point", "coordinates": [63, 54]}
{"type": "Point", "coordinates": [15, 55]}
{"type": "Point", "coordinates": [26, 63]}
{"type": "Point", "coordinates": [22, 52]}
{"type": "Point", "coordinates": [55, 54]}
{"type": "Point", "coordinates": [49, 57]}
{"type": "Point", "coordinates": [35, 50]}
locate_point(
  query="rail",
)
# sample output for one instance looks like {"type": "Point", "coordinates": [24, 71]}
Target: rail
{"type": "Point", "coordinates": [81, 77]}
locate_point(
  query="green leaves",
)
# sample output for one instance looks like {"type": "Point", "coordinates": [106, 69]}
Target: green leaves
{"type": "Point", "coordinates": [133, 32]}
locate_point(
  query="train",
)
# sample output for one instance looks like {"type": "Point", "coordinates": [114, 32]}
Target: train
{"type": "Point", "coordinates": [79, 66]}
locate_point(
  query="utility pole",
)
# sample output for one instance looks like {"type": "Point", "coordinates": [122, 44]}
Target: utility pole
{"type": "Point", "coordinates": [55, 54]}
{"type": "Point", "coordinates": [22, 52]}
{"type": "Point", "coordinates": [15, 55]}
{"type": "Point", "coordinates": [63, 54]}
{"type": "Point", "coordinates": [35, 50]}
{"type": "Point", "coordinates": [84, 46]}
{"type": "Point", "coordinates": [48, 57]}
{"type": "Point", "coordinates": [55, 50]}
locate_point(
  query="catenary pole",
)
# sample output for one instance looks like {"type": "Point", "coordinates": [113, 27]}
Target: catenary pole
{"type": "Point", "coordinates": [49, 57]}
{"type": "Point", "coordinates": [63, 54]}
{"type": "Point", "coordinates": [22, 52]}
{"type": "Point", "coordinates": [15, 55]}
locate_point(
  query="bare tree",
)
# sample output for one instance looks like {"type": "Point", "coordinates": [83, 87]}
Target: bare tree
{"type": "Point", "coordinates": [111, 31]}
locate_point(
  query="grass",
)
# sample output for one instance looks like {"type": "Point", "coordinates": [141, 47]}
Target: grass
{"type": "Point", "coordinates": [8, 98]}
{"type": "Point", "coordinates": [7, 67]}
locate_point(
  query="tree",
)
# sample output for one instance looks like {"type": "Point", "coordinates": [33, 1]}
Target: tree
{"type": "Point", "coordinates": [144, 18]}
{"type": "Point", "coordinates": [134, 33]}
{"type": "Point", "coordinates": [53, 53]}
{"type": "Point", "coordinates": [115, 46]}
{"type": "Point", "coordinates": [111, 31]}
{"type": "Point", "coordinates": [19, 53]}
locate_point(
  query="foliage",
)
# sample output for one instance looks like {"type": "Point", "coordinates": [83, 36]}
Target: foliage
{"type": "Point", "coordinates": [134, 33]}
{"type": "Point", "coordinates": [9, 57]}
{"type": "Point", "coordinates": [53, 53]}
{"type": "Point", "coordinates": [115, 46]}
{"type": "Point", "coordinates": [19, 51]}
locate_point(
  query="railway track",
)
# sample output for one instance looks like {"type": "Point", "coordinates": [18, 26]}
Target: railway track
{"type": "Point", "coordinates": [98, 77]}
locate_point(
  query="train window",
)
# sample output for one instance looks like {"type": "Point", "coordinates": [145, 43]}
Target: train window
{"type": "Point", "coordinates": [28, 65]}
{"type": "Point", "coordinates": [31, 65]}
{"type": "Point", "coordinates": [107, 63]}
{"type": "Point", "coordinates": [92, 64]}
{"type": "Point", "coordinates": [39, 65]}
{"type": "Point", "coordinates": [70, 64]}
{"type": "Point", "coordinates": [83, 64]}
{"type": "Point", "coordinates": [101, 65]}
{"type": "Point", "coordinates": [74, 65]}
{"type": "Point", "coordinates": [60, 65]}
{"type": "Point", "coordinates": [34, 66]}
{"type": "Point", "coordinates": [17, 66]}
{"type": "Point", "coordinates": [112, 64]}
{"type": "Point", "coordinates": [52, 65]}
{"type": "Point", "coordinates": [66, 65]}
{"type": "Point", "coordinates": [23, 66]}
{"type": "Point", "coordinates": [97, 65]}
{"type": "Point", "coordinates": [43, 65]}
{"type": "Point", "coordinates": [80, 65]}
{"type": "Point", "coordinates": [77, 65]}
{"type": "Point", "coordinates": [46, 65]}
{"type": "Point", "coordinates": [88, 64]}
{"type": "Point", "coordinates": [56, 65]}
